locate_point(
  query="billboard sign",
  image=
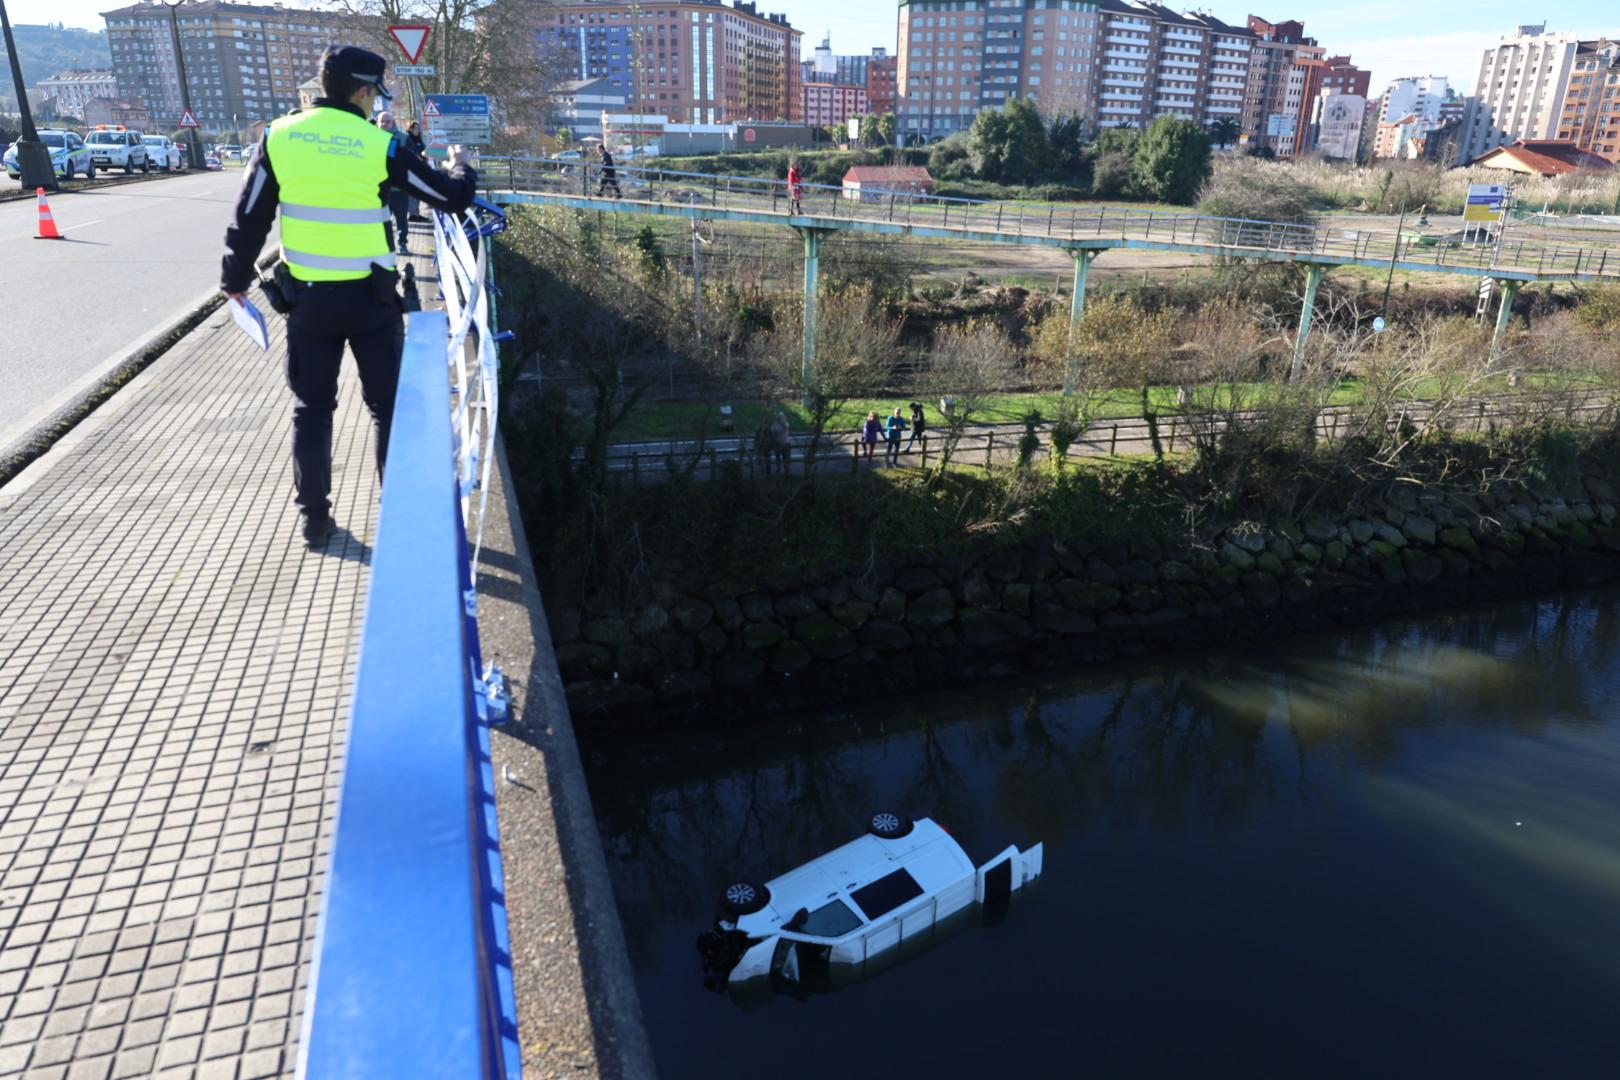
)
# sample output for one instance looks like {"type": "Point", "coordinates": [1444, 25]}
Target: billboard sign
{"type": "Point", "coordinates": [1280, 124]}
{"type": "Point", "coordinates": [1485, 204]}
{"type": "Point", "coordinates": [1339, 132]}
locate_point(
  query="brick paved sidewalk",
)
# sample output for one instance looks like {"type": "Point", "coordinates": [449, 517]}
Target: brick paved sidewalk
{"type": "Point", "coordinates": [175, 672]}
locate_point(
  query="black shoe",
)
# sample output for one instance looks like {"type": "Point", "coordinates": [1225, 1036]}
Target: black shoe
{"type": "Point", "coordinates": [318, 530]}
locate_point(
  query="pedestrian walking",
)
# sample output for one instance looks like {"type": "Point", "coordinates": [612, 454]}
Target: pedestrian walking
{"type": "Point", "coordinates": [919, 427]}
{"type": "Point", "coordinates": [329, 172]}
{"type": "Point", "coordinates": [610, 175]}
{"type": "Point", "coordinates": [893, 428]}
{"type": "Point", "coordinates": [399, 200]}
{"type": "Point", "coordinates": [869, 433]}
{"type": "Point", "coordinates": [413, 136]}
{"type": "Point", "coordinates": [795, 183]}
{"type": "Point", "coordinates": [781, 443]}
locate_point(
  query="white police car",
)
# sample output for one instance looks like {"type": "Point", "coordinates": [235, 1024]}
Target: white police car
{"type": "Point", "coordinates": [854, 903]}
{"type": "Point", "coordinates": [117, 147]}
{"type": "Point", "coordinates": [69, 155]}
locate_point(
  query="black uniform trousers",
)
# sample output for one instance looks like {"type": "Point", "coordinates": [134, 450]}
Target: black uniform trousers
{"type": "Point", "coordinates": [327, 316]}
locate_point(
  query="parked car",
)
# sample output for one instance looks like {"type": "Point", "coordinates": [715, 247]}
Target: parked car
{"type": "Point", "coordinates": [854, 903]}
{"type": "Point", "coordinates": [118, 148]}
{"type": "Point", "coordinates": [69, 155]}
{"type": "Point", "coordinates": [228, 154]}
{"type": "Point", "coordinates": [163, 151]}
{"type": "Point", "coordinates": [212, 164]}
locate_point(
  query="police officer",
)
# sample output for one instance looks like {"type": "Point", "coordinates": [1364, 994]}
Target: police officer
{"type": "Point", "coordinates": [329, 171]}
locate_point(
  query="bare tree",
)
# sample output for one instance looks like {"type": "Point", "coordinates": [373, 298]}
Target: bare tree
{"type": "Point", "coordinates": [855, 347]}
{"type": "Point", "coordinates": [968, 364]}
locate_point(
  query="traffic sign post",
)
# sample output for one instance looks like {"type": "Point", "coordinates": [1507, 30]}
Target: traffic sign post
{"type": "Point", "coordinates": [456, 118]}
{"type": "Point", "coordinates": [410, 37]}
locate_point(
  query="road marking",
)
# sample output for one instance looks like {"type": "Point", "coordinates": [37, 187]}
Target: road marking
{"type": "Point", "coordinates": [82, 225]}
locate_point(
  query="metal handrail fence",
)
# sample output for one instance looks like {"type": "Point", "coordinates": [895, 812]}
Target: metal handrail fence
{"type": "Point", "coordinates": [412, 969]}
{"type": "Point", "coordinates": [985, 446]}
{"type": "Point", "coordinates": [1081, 226]}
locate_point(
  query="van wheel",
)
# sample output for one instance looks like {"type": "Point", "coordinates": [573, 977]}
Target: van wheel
{"type": "Point", "coordinates": [744, 898]}
{"type": "Point", "coordinates": [90, 171]}
{"type": "Point", "coordinates": [887, 825]}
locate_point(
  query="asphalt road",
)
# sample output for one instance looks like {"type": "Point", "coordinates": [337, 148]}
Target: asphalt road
{"type": "Point", "coordinates": [136, 258]}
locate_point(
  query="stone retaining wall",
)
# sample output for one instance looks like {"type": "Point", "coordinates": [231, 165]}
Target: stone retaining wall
{"type": "Point", "coordinates": [723, 652]}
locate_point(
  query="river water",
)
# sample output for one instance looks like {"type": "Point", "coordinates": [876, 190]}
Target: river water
{"type": "Point", "coordinates": [1392, 852]}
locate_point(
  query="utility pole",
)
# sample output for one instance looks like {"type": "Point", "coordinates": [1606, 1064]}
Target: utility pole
{"type": "Point", "coordinates": [194, 155]}
{"type": "Point", "coordinates": [33, 160]}
{"type": "Point", "coordinates": [1383, 309]}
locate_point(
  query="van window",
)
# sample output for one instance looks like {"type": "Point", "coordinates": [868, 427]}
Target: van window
{"type": "Point", "coordinates": [51, 138]}
{"type": "Point", "coordinates": [831, 920]}
{"type": "Point", "coordinates": [886, 893]}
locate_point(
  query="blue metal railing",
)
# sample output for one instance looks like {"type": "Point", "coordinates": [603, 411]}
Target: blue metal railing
{"type": "Point", "coordinates": [412, 974]}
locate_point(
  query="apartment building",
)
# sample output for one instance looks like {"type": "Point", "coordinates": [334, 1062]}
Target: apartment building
{"type": "Point", "coordinates": [1590, 113]}
{"type": "Point", "coordinates": [1340, 76]}
{"type": "Point", "coordinates": [827, 103]}
{"type": "Point", "coordinates": [1422, 97]}
{"type": "Point", "coordinates": [959, 56]}
{"type": "Point", "coordinates": [1286, 74]}
{"type": "Point", "coordinates": [1120, 63]}
{"type": "Point", "coordinates": [882, 80]}
{"type": "Point", "coordinates": [876, 71]}
{"type": "Point", "coordinates": [697, 61]}
{"type": "Point", "coordinates": [74, 88]}
{"type": "Point", "coordinates": [1153, 61]}
{"type": "Point", "coordinates": [1521, 88]}
{"type": "Point", "coordinates": [243, 61]}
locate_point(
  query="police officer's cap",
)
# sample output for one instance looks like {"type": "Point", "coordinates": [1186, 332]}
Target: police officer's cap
{"type": "Point", "coordinates": [355, 63]}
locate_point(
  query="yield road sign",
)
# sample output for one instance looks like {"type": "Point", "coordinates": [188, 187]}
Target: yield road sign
{"type": "Point", "coordinates": [410, 37]}
{"type": "Point", "coordinates": [186, 119]}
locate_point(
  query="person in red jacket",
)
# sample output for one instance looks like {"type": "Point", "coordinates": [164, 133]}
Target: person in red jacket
{"type": "Point", "coordinates": [795, 186]}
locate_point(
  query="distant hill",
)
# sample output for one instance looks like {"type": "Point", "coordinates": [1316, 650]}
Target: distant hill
{"type": "Point", "coordinates": [45, 50]}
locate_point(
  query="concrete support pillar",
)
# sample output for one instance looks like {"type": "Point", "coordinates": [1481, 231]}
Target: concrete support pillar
{"type": "Point", "coordinates": [812, 274]}
{"type": "Point", "coordinates": [1510, 289]}
{"type": "Point", "coordinates": [1313, 281]}
{"type": "Point", "coordinates": [1077, 307]}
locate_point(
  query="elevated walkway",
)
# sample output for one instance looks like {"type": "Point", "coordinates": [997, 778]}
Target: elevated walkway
{"type": "Point", "coordinates": [176, 675]}
{"type": "Point", "coordinates": [176, 679]}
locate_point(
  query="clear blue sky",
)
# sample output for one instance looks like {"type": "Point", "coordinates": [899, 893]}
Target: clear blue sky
{"type": "Point", "coordinates": [1390, 37]}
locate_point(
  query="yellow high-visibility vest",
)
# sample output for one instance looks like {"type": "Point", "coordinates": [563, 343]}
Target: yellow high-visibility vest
{"type": "Point", "coordinates": [331, 165]}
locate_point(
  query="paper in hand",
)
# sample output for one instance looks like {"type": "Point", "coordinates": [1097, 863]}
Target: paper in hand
{"type": "Point", "coordinates": [250, 322]}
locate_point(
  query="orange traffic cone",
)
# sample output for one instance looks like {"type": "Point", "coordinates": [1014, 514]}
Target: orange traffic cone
{"type": "Point", "coordinates": [47, 224]}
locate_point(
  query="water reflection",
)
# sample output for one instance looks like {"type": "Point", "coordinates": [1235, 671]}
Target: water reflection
{"type": "Point", "coordinates": [1383, 769]}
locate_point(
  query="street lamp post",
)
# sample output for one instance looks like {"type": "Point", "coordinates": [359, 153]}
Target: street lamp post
{"type": "Point", "coordinates": [193, 144]}
{"type": "Point", "coordinates": [33, 160]}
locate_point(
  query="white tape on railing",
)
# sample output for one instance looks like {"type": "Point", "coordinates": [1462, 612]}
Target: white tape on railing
{"type": "Point", "coordinates": [463, 275]}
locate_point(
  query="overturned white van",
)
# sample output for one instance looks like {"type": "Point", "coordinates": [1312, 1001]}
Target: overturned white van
{"type": "Point", "coordinates": [855, 902]}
